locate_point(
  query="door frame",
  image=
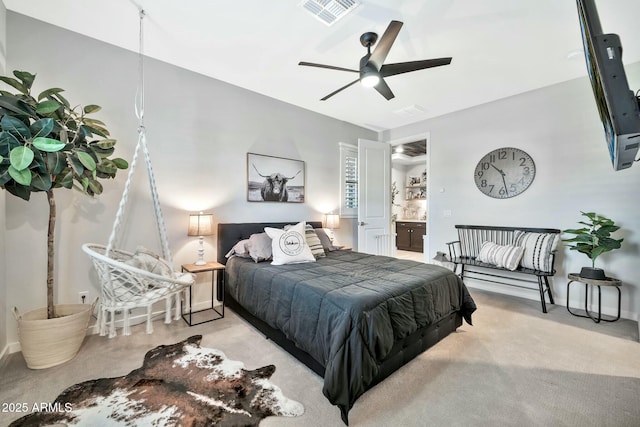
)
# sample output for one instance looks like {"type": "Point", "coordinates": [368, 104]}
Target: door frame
{"type": "Point", "coordinates": [427, 137]}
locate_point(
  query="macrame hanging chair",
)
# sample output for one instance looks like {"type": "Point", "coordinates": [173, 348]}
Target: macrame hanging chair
{"type": "Point", "coordinates": [132, 280]}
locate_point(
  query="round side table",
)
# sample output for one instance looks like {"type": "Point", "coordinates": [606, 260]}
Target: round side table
{"type": "Point", "coordinates": [608, 281]}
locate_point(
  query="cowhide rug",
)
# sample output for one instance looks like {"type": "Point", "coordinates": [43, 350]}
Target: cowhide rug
{"type": "Point", "coordinates": [178, 385]}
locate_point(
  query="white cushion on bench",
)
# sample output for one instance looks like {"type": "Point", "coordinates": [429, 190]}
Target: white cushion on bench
{"type": "Point", "coordinates": [504, 256]}
{"type": "Point", "coordinates": [537, 249]}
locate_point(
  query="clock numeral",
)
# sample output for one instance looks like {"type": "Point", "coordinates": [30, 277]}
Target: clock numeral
{"type": "Point", "coordinates": [526, 170]}
{"type": "Point", "coordinates": [480, 173]}
{"type": "Point", "coordinates": [502, 155]}
{"type": "Point", "coordinates": [523, 161]}
{"type": "Point", "coordinates": [513, 188]}
{"type": "Point", "coordinates": [491, 187]}
{"type": "Point", "coordinates": [483, 183]}
{"type": "Point", "coordinates": [485, 165]}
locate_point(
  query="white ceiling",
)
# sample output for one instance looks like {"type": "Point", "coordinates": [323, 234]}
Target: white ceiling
{"type": "Point", "coordinates": [499, 47]}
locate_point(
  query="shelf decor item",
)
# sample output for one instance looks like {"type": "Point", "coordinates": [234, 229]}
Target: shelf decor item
{"type": "Point", "coordinates": [593, 240]}
{"type": "Point", "coordinates": [46, 144]}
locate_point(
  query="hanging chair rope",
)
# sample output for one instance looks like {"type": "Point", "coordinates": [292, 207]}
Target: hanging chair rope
{"type": "Point", "coordinates": [141, 145]}
{"type": "Point", "coordinates": [142, 279]}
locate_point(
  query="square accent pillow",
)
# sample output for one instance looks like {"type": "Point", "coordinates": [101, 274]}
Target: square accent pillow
{"type": "Point", "coordinates": [259, 247]}
{"type": "Point", "coordinates": [290, 246]}
{"type": "Point", "coordinates": [506, 256]}
{"type": "Point", "coordinates": [240, 249]}
{"type": "Point", "coordinates": [537, 249]}
{"type": "Point", "coordinates": [312, 240]}
{"type": "Point", "coordinates": [327, 243]}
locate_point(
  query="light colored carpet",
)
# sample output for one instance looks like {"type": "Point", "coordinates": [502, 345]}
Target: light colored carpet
{"type": "Point", "coordinates": [515, 367]}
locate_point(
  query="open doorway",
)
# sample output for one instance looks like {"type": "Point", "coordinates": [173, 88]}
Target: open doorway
{"type": "Point", "coordinates": [410, 196]}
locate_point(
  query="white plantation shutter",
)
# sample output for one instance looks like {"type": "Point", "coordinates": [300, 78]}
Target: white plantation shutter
{"type": "Point", "coordinates": [348, 181]}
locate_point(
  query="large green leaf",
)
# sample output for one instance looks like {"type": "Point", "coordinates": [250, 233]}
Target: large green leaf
{"type": "Point", "coordinates": [42, 127]}
{"type": "Point", "coordinates": [48, 144]}
{"type": "Point", "coordinates": [25, 77]}
{"type": "Point", "coordinates": [4, 176]}
{"type": "Point", "coordinates": [15, 83]}
{"type": "Point", "coordinates": [22, 177]}
{"type": "Point", "coordinates": [21, 157]}
{"type": "Point", "coordinates": [120, 163]}
{"type": "Point", "coordinates": [15, 105]}
{"type": "Point", "coordinates": [66, 181]}
{"type": "Point", "coordinates": [49, 92]}
{"type": "Point", "coordinates": [41, 181]}
{"type": "Point", "coordinates": [76, 164]}
{"type": "Point", "coordinates": [47, 107]}
{"type": "Point", "coordinates": [18, 190]}
{"type": "Point", "coordinates": [7, 143]}
{"type": "Point", "coordinates": [15, 126]}
{"type": "Point", "coordinates": [92, 109]}
{"type": "Point", "coordinates": [86, 160]}
{"type": "Point", "coordinates": [104, 143]}
{"type": "Point", "coordinates": [56, 162]}
{"type": "Point", "coordinates": [95, 186]}
{"type": "Point", "coordinates": [107, 167]}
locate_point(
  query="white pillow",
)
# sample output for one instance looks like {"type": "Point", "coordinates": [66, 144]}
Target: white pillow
{"type": "Point", "coordinates": [289, 247]}
{"type": "Point", "coordinates": [538, 248]}
{"type": "Point", "coordinates": [502, 256]}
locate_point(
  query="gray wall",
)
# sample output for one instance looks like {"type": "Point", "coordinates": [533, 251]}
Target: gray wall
{"type": "Point", "coordinates": [559, 127]}
{"type": "Point", "coordinates": [198, 131]}
{"type": "Point", "coordinates": [3, 278]}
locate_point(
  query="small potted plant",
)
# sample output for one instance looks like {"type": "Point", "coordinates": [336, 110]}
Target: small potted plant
{"type": "Point", "coordinates": [47, 144]}
{"type": "Point", "coordinates": [593, 240]}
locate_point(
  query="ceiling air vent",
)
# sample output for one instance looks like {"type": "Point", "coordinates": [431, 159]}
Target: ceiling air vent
{"type": "Point", "coordinates": [329, 11]}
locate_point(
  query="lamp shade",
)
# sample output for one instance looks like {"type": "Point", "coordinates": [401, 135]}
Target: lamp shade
{"type": "Point", "coordinates": [332, 221]}
{"type": "Point", "coordinates": [200, 224]}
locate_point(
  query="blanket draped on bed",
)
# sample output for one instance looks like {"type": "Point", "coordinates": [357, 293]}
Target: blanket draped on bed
{"type": "Point", "coordinates": [348, 309]}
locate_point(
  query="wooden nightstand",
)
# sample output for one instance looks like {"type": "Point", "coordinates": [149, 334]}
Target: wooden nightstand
{"type": "Point", "coordinates": [200, 316]}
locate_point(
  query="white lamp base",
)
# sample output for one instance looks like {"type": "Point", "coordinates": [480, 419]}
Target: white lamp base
{"type": "Point", "coordinates": [200, 260]}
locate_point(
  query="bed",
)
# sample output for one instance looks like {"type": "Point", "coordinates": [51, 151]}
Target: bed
{"type": "Point", "coordinates": [352, 318]}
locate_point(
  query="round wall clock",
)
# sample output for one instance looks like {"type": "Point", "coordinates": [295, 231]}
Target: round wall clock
{"type": "Point", "coordinates": [504, 172]}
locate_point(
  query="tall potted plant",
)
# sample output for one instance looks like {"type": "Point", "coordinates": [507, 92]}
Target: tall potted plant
{"type": "Point", "coordinates": [45, 144]}
{"type": "Point", "coordinates": [593, 239]}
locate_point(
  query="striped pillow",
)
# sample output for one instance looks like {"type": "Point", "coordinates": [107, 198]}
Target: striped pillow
{"type": "Point", "coordinates": [506, 256]}
{"type": "Point", "coordinates": [537, 249]}
{"type": "Point", "coordinates": [314, 242]}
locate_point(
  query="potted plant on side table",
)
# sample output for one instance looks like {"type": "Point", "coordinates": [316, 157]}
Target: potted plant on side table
{"type": "Point", "coordinates": [593, 240]}
{"type": "Point", "coordinates": [46, 144]}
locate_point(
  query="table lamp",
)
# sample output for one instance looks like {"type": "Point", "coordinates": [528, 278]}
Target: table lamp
{"type": "Point", "coordinates": [200, 225]}
{"type": "Point", "coordinates": [332, 221]}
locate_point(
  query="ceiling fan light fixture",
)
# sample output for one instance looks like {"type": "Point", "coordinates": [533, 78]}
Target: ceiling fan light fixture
{"type": "Point", "coordinates": [370, 79]}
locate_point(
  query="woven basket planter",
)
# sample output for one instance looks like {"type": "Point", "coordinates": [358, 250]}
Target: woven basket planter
{"type": "Point", "coordinates": [50, 342]}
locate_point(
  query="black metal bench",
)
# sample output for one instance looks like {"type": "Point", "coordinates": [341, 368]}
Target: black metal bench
{"type": "Point", "coordinates": [465, 250]}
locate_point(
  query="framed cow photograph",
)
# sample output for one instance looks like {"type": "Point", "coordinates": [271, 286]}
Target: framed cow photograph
{"type": "Point", "coordinates": [274, 179]}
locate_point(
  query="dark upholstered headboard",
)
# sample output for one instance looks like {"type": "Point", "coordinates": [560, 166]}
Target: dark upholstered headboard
{"type": "Point", "coordinates": [230, 234]}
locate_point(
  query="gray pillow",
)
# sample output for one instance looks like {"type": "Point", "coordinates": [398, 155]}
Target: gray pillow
{"type": "Point", "coordinates": [260, 247]}
{"type": "Point", "coordinates": [325, 240]}
{"type": "Point", "coordinates": [240, 249]}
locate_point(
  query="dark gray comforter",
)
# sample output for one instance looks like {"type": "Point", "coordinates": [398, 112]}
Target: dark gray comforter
{"type": "Point", "coordinates": [346, 310]}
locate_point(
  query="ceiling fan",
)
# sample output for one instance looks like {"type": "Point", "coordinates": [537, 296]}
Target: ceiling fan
{"type": "Point", "coordinates": [372, 68]}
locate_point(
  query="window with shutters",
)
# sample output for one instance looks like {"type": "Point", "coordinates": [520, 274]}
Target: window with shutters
{"type": "Point", "coordinates": [348, 181]}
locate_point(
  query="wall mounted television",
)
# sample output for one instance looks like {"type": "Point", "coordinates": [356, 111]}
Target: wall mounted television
{"type": "Point", "coordinates": [619, 108]}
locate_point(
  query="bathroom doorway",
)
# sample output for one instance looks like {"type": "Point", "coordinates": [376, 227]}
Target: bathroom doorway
{"type": "Point", "coordinates": [410, 196]}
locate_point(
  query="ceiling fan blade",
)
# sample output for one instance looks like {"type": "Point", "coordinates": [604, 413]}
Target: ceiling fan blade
{"type": "Point", "coordinates": [330, 67]}
{"type": "Point", "coordinates": [384, 44]}
{"type": "Point", "coordinates": [340, 90]}
{"type": "Point", "coordinates": [405, 67]}
{"type": "Point", "coordinates": [384, 89]}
